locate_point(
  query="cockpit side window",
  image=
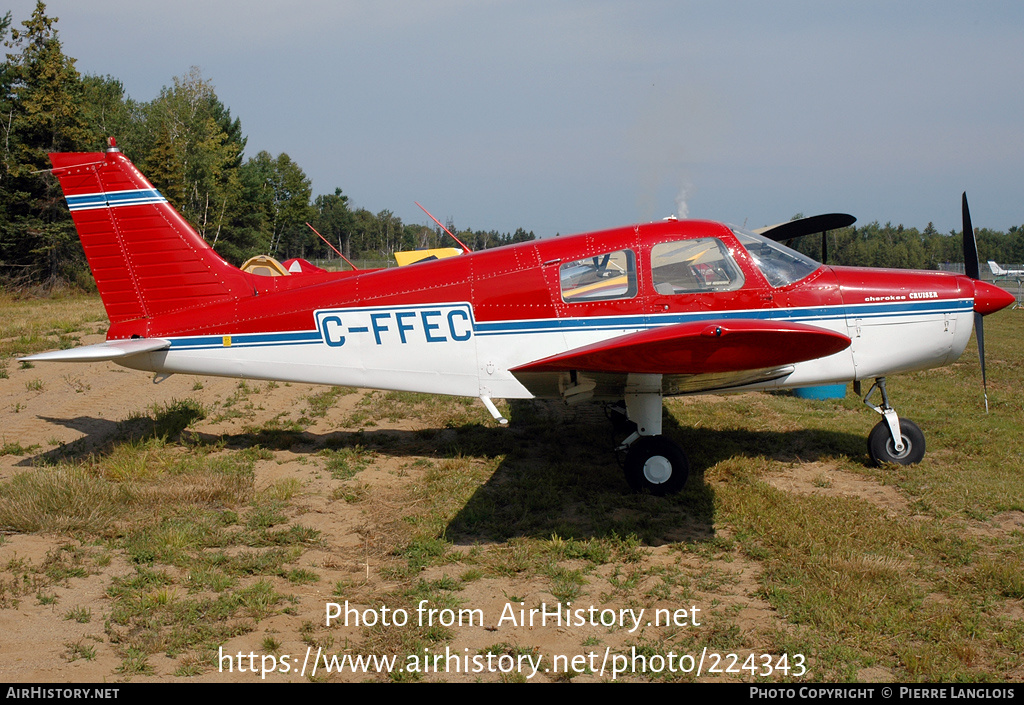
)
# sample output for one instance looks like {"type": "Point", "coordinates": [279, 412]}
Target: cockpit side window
{"type": "Point", "coordinates": [603, 277]}
{"type": "Point", "coordinates": [780, 265]}
{"type": "Point", "coordinates": [694, 266]}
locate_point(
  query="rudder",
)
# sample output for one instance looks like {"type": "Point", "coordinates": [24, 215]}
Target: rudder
{"type": "Point", "coordinates": [146, 259]}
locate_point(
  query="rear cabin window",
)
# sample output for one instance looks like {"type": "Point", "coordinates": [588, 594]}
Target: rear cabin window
{"type": "Point", "coordinates": [694, 266]}
{"type": "Point", "coordinates": [599, 278]}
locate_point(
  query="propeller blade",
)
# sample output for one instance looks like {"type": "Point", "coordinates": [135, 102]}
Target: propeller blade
{"type": "Point", "coordinates": [979, 331]}
{"type": "Point", "coordinates": [971, 266]}
{"type": "Point", "coordinates": [972, 269]}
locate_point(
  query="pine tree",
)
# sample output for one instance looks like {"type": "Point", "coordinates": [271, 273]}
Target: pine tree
{"type": "Point", "coordinates": [42, 95]}
{"type": "Point", "coordinates": [192, 150]}
{"type": "Point", "coordinates": [333, 220]}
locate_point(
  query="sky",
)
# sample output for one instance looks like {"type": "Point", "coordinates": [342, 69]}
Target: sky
{"type": "Point", "coordinates": [562, 117]}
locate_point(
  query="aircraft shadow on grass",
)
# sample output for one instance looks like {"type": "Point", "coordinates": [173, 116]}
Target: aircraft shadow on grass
{"type": "Point", "coordinates": [555, 476]}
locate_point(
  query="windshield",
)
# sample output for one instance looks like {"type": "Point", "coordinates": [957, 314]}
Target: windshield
{"type": "Point", "coordinates": [780, 265]}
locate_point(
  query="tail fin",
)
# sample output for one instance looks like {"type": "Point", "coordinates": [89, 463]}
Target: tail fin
{"type": "Point", "coordinates": [146, 259]}
{"type": "Point", "coordinates": [996, 269]}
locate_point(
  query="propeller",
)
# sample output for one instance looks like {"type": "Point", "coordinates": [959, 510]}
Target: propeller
{"type": "Point", "coordinates": [973, 270]}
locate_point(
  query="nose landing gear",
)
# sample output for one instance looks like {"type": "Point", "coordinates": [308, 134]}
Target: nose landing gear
{"type": "Point", "coordinates": [893, 440]}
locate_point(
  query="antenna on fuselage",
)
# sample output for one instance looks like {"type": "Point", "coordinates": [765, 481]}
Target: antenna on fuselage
{"type": "Point", "coordinates": [462, 244]}
{"type": "Point", "coordinates": [333, 248]}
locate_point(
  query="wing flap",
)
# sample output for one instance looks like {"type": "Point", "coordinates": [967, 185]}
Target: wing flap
{"type": "Point", "coordinates": [703, 347]}
{"type": "Point", "coordinates": [110, 350]}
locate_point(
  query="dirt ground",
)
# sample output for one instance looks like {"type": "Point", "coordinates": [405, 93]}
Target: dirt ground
{"type": "Point", "coordinates": [47, 408]}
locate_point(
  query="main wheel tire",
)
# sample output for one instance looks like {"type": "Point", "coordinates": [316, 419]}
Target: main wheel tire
{"type": "Point", "coordinates": [657, 465]}
{"type": "Point", "coordinates": [883, 450]}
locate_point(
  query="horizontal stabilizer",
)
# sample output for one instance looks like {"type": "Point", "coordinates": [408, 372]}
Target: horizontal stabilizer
{"type": "Point", "coordinates": [110, 350]}
{"type": "Point", "coordinates": [701, 347]}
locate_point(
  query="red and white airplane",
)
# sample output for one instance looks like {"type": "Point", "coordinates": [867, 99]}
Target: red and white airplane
{"type": "Point", "coordinates": [634, 314]}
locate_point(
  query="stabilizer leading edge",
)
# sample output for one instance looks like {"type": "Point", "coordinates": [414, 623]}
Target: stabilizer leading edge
{"type": "Point", "coordinates": [111, 350]}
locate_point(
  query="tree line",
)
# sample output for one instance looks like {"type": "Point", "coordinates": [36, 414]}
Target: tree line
{"type": "Point", "coordinates": [193, 150]}
{"type": "Point", "coordinates": [190, 147]}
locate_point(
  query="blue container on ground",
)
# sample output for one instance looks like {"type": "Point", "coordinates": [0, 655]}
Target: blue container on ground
{"type": "Point", "coordinates": [828, 391]}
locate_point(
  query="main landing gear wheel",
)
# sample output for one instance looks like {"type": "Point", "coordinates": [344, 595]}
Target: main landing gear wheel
{"type": "Point", "coordinates": [883, 450]}
{"type": "Point", "coordinates": [657, 465]}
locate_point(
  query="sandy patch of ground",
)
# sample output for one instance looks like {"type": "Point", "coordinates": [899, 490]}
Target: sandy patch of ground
{"type": "Point", "coordinates": [820, 478]}
{"type": "Point", "coordinates": [47, 409]}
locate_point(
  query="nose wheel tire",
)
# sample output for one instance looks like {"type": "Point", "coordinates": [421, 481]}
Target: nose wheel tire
{"type": "Point", "coordinates": [657, 465]}
{"type": "Point", "coordinates": [883, 450]}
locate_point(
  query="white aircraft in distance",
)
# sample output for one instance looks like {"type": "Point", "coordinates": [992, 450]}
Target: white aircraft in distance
{"type": "Point", "coordinates": [1000, 272]}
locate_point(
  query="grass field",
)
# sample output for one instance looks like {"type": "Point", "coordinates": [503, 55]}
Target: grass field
{"type": "Point", "coordinates": [228, 515]}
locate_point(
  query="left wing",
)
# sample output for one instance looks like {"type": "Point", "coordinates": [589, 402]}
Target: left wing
{"type": "Point", "coordinates": [698, 348]}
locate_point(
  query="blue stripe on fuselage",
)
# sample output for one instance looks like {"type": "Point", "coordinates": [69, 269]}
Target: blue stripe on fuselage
{"type": "Point", "coordinates": [802, 315]}
{"type": "Point", "coordinates": [252, 340]}
{"type": "Point", "coordinates": [810, 315]}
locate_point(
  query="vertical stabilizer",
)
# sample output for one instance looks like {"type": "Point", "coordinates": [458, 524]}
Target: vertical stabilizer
{"type": "Point", "coordinates": [146, 259]}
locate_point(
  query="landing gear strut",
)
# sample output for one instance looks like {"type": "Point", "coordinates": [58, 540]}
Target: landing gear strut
{"type": "Point", "coordinates": [653, 462]}
{"type": "Point", "coordinates": [893, 440]}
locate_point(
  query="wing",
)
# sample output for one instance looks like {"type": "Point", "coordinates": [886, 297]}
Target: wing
{"type": "Point", "coordinates": [806, 226]}
{"type": "Point", "coordinates": [693, 356]}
